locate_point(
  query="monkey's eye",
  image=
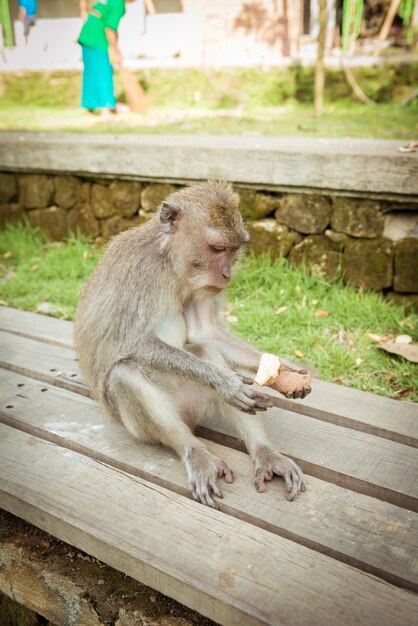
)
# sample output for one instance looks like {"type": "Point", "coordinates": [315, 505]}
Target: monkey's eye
{"type": "Point", "coordinates": [217, 248]}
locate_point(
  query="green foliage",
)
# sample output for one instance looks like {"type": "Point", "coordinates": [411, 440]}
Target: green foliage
{"type": "Point", "coordinates": [36, 271]}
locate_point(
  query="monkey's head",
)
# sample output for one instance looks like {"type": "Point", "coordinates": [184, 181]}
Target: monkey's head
{"type": "Point", "coordinates": [204, 234]}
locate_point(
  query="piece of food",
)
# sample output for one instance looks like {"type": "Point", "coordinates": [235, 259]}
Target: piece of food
{"type": "Point", "coordinates": [288, 382]}
{"type": "Point", "coordinates": [268, 369]}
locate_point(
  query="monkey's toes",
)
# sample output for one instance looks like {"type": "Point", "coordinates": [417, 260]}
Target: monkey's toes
{"type": "Point", "coordinates": [203, 492]}
{"type": "Point", "coordinates": [260, 477]}
{"type": "Point", "coordinates": [225, 472]}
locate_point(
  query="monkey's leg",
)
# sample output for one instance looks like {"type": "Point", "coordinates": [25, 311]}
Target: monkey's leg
{"type": "Point", "coordinates": [250, 428]}
{"type": "Point", "coordinates": [153, 414]}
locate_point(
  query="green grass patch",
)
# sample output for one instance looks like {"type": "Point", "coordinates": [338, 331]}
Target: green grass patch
{"type": "Point", "coordinates": [223, 101]}
{"type": "Point", "coordinates": [214, 88]}
{"type": "Point", "coordinates": [270, 304]}
{"type": "Point", "coordinates": [291, 119]}
{"type": "Point", "coordinates": [37, 272]}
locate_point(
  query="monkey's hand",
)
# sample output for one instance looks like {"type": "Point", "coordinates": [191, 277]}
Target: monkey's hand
{"type": "Point", "coordinates": [269, 462]}
{"type": "Point", "coordinates": [203, 468]}
{"type": "Point", "coordinates": [234, 389]}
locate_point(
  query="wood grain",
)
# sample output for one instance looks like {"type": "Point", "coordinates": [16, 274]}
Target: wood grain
{"type": "Point", "coordinates": [238, 575]}
{"type": "Point", "coordinates": [35, 326]}
{"type": "Point", "coordinates": [348, 526]}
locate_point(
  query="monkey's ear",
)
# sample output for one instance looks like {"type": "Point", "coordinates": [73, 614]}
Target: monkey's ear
{"type": "Point", "coordinates": [170, 216]}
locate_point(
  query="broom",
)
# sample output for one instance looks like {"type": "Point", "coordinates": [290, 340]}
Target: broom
{"type": "Point", "coordinates": [135, 95]}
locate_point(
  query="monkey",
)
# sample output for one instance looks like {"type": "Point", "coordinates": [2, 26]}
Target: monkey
{"type": "Point", "coordinates": [152, 348]}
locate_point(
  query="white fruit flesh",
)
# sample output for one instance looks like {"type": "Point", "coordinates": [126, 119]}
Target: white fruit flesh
{"type": "Point", "coordinates": [268, 369]}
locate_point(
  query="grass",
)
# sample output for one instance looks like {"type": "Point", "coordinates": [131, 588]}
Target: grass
{"type": "Point", "coordinates": [270, 304]}
{"type": "Point", "coordinates": [239, 101]}
{"type": "Point", "coordinates": [291, 119]}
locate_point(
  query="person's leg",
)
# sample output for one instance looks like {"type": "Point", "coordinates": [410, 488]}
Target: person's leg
{"type": "Point", "coordinates": [97, 85]}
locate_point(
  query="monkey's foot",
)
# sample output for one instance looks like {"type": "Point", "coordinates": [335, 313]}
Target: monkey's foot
{"type": "Point", "coordinates": [269, 462]}
{"type": "Point", "coordinates": [203, 468]}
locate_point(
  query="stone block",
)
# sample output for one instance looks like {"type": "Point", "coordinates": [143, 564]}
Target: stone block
{"type": "Point", "coordinates": [81, 218]}
{"type": "Point", "coordinates": [35, 191]}
{"type": "Point", "coordinates": [357, 218]}
{"type": "Point", "coordinates": [10, 214]}
{"type": "Point", "coordinates": [8, 188]}
{"type": "Point", "coordinates": [368, 263]}
{"type": "Point", "coordinates": [126, 197]}
{"type": "Point", "coordinates": [337, 240]}
{"type": "Point", "coordinates": [114, 225]}
{"type": "Point", "coordinates": [407, 300]}
{"type": "Point", "coordinates": [70, 190]}
{"type": "Point", "coordinates": [53, 221]}
{"type": "Point", "coordinates": [153, 195]}
{"type": "Point", "coordinates": [400, 225]}
{"type": "Point", "coordinates": [255, 206]}
{"type": "Point", "coordinates": [102, 201]}
{"type": "Point", "coordinates": [406, 266]}
{"type": "Point", "coordinates": [269, 236]}
{"type": "Point", "coordinates": [318, 254]}
{"type": "Point", "coordinates": [305, 213]}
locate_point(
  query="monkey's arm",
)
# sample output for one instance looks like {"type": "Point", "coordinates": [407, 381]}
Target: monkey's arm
{"type": "Point", "coordinates": [156, 355]}
{"type": "Point", "coordinates": [237, 351]}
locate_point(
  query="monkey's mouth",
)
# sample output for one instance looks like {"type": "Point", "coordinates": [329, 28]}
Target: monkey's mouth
{"type": "Point", "coordinates": [213, 289]}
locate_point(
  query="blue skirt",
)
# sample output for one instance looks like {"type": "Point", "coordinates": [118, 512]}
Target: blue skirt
{"type": "Point", "coordinates": [97, 91]}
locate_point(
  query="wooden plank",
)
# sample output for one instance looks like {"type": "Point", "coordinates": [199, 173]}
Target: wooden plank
{"type": "Point", "coordinates": [391, 419]}
{"type": "Point", "coordinates": [13, 384]}
{"type": "Point", "coordinates": [341, 165]}
{"type": "Point", "coordinates": [35, 326]}
{"type": "Point", "coordinates": [361, 462]}
{"type": "Point", "coordinates": [352, 459]}
{"type": "Point", "coordinates": [366, 412]}
{"type": "Point", "coordinates": [239, 574]}
{"type": "Point", "coordinates": [348, 526]}
{"type": "Point", "coordinates": [46, 362]}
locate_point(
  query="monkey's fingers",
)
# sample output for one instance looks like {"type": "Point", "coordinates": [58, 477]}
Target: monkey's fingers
{"type": "Point", "coordinates": [260, 400]}
{"type": "Point", "coordinates": [246, 380]}
{"type": "Point", "coordinates": [299, 393]}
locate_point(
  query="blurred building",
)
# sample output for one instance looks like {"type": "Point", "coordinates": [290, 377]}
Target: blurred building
{"type": "Point", "coordinates": [192, 32]}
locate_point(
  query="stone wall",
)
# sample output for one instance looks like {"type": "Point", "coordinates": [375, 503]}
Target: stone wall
{"type": "Point", "coordinates": [372, 244]}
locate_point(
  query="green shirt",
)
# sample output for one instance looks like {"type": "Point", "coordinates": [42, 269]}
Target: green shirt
{"type": "Point", "coordinates": [93, 32]}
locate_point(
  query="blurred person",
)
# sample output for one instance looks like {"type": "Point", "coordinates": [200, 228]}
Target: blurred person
{"type": "Point", "coordinates": [99, 43]}
{"type": "Point", "coordinates": [27, 15]}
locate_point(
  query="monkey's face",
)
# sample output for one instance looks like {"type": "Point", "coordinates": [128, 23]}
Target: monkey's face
{"type": "Point", "coordinates": [214, 258]}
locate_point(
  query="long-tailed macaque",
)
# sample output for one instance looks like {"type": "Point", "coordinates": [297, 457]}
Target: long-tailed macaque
{"type": "Point", "coordinates": [151, 346]}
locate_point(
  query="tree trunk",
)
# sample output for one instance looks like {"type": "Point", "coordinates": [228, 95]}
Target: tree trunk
{"type": "Point", "coordinates": [393, 9]}
{"type": "Point", "coordinates": [319, 67]}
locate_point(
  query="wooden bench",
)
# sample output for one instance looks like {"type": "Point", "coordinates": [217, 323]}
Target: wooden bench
{"type": "Point", "coordinates": [345, 552]}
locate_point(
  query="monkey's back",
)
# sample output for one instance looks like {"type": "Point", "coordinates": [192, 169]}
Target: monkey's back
{"type": "Point", "coordinates": [120, 302]}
